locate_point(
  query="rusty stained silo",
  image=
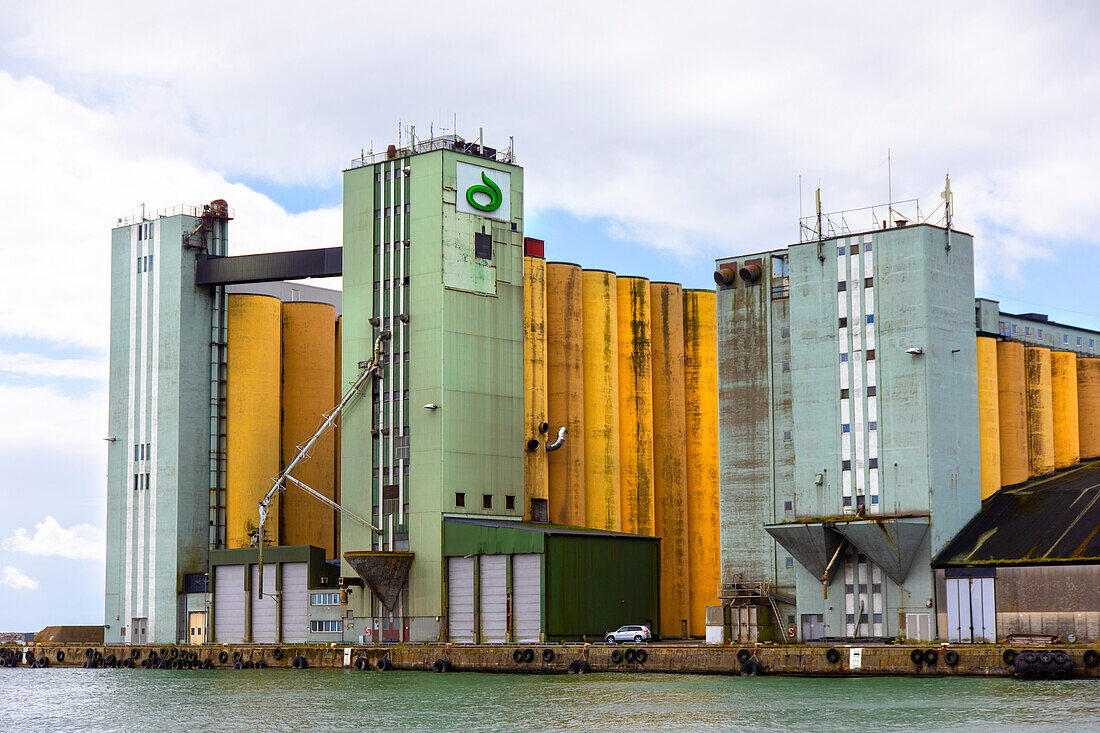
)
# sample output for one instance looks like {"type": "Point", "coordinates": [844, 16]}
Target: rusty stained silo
{"type": "Point", "coordinates": [1040, 411]}
{"type": "Point", "coordinates": [309, 357]}
{"type": "Point", "coordinates": [252, 416]}
{"type": "Point", "coordinates": [670, 488]}
{"type": "Point", "coordinates": [1063, 398]}
{"type": "Point", "coordinates": [1012, 412]}
{"type": "Point", "coordinates": [701, 438]}
{"type": "Point", "coordinates": [535, 405]}
{"type": "Point", "coordinates": [602, 508]}
{"type": "Point", "coordinates": [989, 432]}
{"type": "Point", "coordinates": [565, 391]}
{"type": "Point", "coordinates": [635, 355]}
{"type": "Point", "coordinates": [1088, 407]}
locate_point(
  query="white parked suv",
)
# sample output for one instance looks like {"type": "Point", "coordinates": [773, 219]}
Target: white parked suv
{"type": "Point", "coordinates": [636, 634]}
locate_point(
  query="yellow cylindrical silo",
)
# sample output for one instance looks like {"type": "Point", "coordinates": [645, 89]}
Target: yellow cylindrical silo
{"type": "Point", "coordinates": [602, 509]}
{"type": "Point", "coordinates": [1063, 399]}
{"type": "Point", "coordinates": [1012, 412]}
{"type": "Point", "coordinates": [1088, 407]}
{"type": "Point", "coordinates": [565, 391]}
{"type": "Point", "coordinates": [1040, 411]}
{"type": "Point", "coordinates": [670, 488]}
{"type": "Point", "coordinates": [701, 438]}
{"type": "Point", "coordinates": [989, 430]}
{"type": "Point", "coordinates": [309, 356]}
{"type": "Point", "coordinates": [635, 406]}
{"type": "Point", "coordinates": [253, 378]}
{"type": "Point", "coordinates": [535, 406]}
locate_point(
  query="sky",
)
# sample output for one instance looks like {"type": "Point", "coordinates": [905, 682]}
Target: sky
{"type": "Point", "coordinates": [654, 138]}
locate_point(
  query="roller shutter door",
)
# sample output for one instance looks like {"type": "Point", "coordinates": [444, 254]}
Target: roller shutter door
{"type": "Point", "coordinates": [494, 598]}
{"type": "Point", "coordinates": [264, 609]}
{"type": "Point", "coordinates": [527, 596]}
{"type": "Point", "coordinates": [295, 602]}
{"type": "Point", "coordinates": [229, 604]}
{"type": "Point", "coordinates": [460, 599]}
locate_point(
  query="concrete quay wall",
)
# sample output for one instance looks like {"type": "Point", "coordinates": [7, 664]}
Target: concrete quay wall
{"type": "Point", "coordinates": [978, 661]}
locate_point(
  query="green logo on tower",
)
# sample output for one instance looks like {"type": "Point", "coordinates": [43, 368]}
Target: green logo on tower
{"type": "Point", "coordinates": [483, 191]}
{"type": "Point", "coordinates": [487, 188]}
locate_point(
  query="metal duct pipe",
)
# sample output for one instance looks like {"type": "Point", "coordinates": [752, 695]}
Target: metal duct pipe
{"type": "Point", "coordinates": [723, 277]}
{"type": "Point", "coordinates": [559, 442]}
{"type": "Point", "coordinates": [751, 273]}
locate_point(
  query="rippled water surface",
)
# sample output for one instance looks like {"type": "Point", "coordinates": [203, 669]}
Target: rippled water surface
{"type": "Point", "coordinates": [320, 700]}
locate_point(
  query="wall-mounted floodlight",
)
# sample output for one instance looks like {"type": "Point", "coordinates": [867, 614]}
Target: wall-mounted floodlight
{"type": "Point", "coordinates": [915, 351]}
{"type": "Point", "coordinates": [431, 406]}
{"type": "Point", "coordinates": [404, 317]}
{"type": "Point", "coordinates": [374, 321]}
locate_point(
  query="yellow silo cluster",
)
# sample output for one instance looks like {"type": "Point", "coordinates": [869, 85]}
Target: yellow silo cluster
{"type": "Point", "coordinates": [1038, 411]}
{"type": "Point", "coordinates": [629, 368]}
{"type": "Point", "coordinates": [280, 378]}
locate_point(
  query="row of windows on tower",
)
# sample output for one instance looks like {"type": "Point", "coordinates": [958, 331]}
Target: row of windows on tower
{"type": "Point", "coordinates": [870, 355]}
{"type": "Point", "coordinates": [145, 231]}
{"type": "Point", "coordinates": [844, 320]}
{"type": "Point", "coordinates": [847, 465]}
{"type": "Point", "coordinates": [387, 284]}
{"type": "Point", "coordinates": [390, 211]}
{"type": "Point", "coordinates": [141, 481]}
{"type": "Point", "coordinates": [142, 451]}
{"type": "Point", "coordinates": [853, 249]}
{"type": "Point", "coordinates": [144, 263]}
{"type": "Point", "coordinates": [486, 501]}
{"type": "Point", "coordinates": [868, 282]}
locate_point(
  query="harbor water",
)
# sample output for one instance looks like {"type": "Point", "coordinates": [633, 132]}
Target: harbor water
{"type": "Point", "coordinates": [338, 700]}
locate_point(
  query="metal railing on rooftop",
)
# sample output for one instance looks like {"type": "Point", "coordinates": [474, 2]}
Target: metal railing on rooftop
{"type": "Point", "coordinates": [445, 142]}
{"type": "Point", "coordinates": [180, 209]}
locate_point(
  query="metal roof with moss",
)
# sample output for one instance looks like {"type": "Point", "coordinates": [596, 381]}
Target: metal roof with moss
{"type": "Point", "coordinates": [1049, 521]}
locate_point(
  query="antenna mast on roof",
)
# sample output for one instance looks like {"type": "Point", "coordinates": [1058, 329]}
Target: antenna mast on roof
{"type": "Point", "coordinates": [820, 231]}
{"type": "Point", "coordinates": [889, 187]}
{"type": "Point", "coordinates": [948, 204]}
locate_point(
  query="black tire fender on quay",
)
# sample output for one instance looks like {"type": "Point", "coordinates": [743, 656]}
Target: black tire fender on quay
{"type": "Point", "coordinates": [617, 656]}
{"type": "Point", "coordinates": [223, 657]}
{"type": "Point", "coordinates": [752, 668]}
{"type": "Point", "coordinates": [89, 652]}
{"type": "Point", "coordinates": [528, 655]}
{"type": "Point", "coordinates": [916, 656]}
{"type": "Point", "coordinates": [60, 655]}
{"type": "Point", "coordinates": [930, 656]}
{"type": "Point", "coordinates": [640, 656]}
{"type": "Point", "coordinates": [300, 662]}
{"type": "Point", "coordinates": [743, 655]}
{"type": "Point", "coordinates": [832, 656]}
{"type": "Point", "coordinates": [277, 654]}
{"type": "Point", "coordinates": [207, 664]}
{"type": "Point", "coordinates": [951, 657]}
{"type": "Point", "coordinates": [128, 663]}
{"type": "Point", "coordinates": [110, 660]}
{"type": "Point", "coordinates": [361, 663]}
{"type": "Point", "coordinates": [442, 665]}
{"type": "Point", "coordinates": [384, 664]}
{"type": "Point", "coordinates": [44, 662]}
{"type": "Point", "coordinates": [579, 666]}
{"type": "Point", "coordinates": [548, 655]}
{"type": "Point", "coordinates": [630, 655]}
{"type": "Point", "coordinates": [1008, 656]}
{"type": "Point", "coordinates": [1091, 658]}
{"type": "Point", "coordinates": [517, 656]}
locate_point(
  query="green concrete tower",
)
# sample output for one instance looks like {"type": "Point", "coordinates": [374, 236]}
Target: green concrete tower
{"type": "Point", "coordinates": [849, 425]}
{"type": "Point", "coordinates": [433, 258]}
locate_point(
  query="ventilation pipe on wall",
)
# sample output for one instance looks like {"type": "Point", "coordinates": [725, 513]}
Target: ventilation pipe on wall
{"type": "Point", "coordinates": [559, 442]}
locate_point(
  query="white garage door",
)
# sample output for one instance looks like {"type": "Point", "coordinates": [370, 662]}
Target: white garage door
{"type": "Point", "coordinates": [460, 599]}
{"type": "Point", "coordinates": [264, 609]}
{"type": "Point", "coordinates": [527, 596]}
{"type": "Point", "coordinates": [295, 602]}
{"type": "Point", "coordinates": [494, 598]}
{"type": "Point", "coordinates": [229, 603]}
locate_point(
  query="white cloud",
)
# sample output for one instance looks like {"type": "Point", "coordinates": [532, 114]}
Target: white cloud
{"type": "Point", "coordinates": [50, 539]}
{"type": "Point", "coordinates": [15, 578]}
{"type": "Point", "coordinates": [37, 365]}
